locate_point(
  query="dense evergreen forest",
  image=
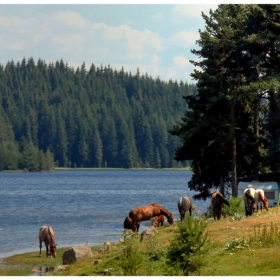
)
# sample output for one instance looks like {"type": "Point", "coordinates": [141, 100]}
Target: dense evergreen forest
{"type": "Point", "coordinates": [53, 115]}
{"type": "Point", "coordinates": [231, 129]}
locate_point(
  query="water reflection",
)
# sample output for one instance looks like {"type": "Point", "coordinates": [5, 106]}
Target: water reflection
{"type": "Point", "coordinates": [41, 270]}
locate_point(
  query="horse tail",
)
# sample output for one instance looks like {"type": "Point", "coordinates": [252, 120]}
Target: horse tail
{"type": "Point", "coordinates": [248, 195]}
{"type": "Point", "coordinates": [130, 213]}
{"type": "Point", "coordinates": [222, 199]}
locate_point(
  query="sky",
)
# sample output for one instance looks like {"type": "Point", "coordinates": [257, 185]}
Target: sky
{"type": "Point", "coordinates": [155, 38]}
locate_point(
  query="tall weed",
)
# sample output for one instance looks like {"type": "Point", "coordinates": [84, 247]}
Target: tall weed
{"type": "Point", "coordinates": [265, 236]}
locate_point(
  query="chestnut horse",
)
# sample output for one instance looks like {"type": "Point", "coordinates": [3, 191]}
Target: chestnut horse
{"type": "Point", "coordinates": [184, 205]}
{"type": "Point", "coordinates": [218, 201]}
{"type": "Point", "coordinates": [159, 220]}
{"type": "Point", "coordinates": [249, 201]}
{"type": "Point", "coordinates": [46, 235]}
{"type": "Point", "coordinates": [261, 199]}
{"type": "Point", "coordinates": [145, 213]}
{"type": "Point", "coordinates": [127, 224]}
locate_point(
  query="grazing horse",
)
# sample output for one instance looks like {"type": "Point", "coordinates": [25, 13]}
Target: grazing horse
{"type": "Point", "coordinates": [145, 213]}
{"type": "Point", "coordinates": [159, 220]}
{"type": "Point", "coordinates": [249, 201]}
{"type": "Point", "coordinates": [218, 201]}
{"type": "Point", "coordinates": [46, 235]}
{"type": "Point", "coordinates": [127, 224]}
{"type": "Point", "coordinates": [261, 199]}
{"type": "Point", "coordinates": [184, 205]}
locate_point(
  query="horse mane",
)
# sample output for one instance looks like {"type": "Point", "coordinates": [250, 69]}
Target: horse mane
{"type": "Point", "coordinates": [162, 208]}
{"type": "Point", "coordinates": [51, 234]}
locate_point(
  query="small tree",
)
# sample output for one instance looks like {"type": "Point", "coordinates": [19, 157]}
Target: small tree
{"type": "Point", "coordinates": [187, 250]}
{"type": "Point", "coordinates": [131, 260]}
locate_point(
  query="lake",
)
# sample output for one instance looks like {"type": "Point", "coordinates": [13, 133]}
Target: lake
{"type": "Point", "coordinates": [83, 207]}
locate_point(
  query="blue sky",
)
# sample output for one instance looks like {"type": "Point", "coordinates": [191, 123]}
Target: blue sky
{"type": "Point", "coordinates": [156, 38]}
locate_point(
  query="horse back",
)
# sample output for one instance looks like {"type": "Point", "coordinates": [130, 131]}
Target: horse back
{"type": "Point", "coordinates": [46, 234]}
{"type": "Point", "coordinates": [184, 204]}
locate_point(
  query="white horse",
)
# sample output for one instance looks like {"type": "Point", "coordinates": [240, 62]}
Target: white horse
{"type": "Point", "coordinates": [184, 205]}
{"type": "Point", "coordinates": [249, 201]}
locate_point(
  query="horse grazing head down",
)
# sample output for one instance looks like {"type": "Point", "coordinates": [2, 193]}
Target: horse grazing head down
{"type": "Point", "coordinates": [260, 198]}
{"type": "Point", "coordinates": [218, 201]}
{"type": "Point", "coordinates": [249, 201]}
{"type": "Point", "coordinates": [184, 205]}
{"type": "Point", "coordinates": [53, 250]}
{"type": "Point", "coordinates": [170, 219]}
{"type": "Point", "coordinates": [46, 235]}
{"type": "Point", "coordinates": [145, 213]}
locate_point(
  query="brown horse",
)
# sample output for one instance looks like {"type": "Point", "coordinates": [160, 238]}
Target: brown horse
{"type": "Point", "coordinates": [218, 202]}
{"type": "Point", "coordinates": [261, 199]}
{"type": "Point", "coordinates": [127, 224]}
{"type": "Point", "coordinates": [46, 235]}
{"type": "Point", "coordinates": [159, 221]}
{"type": "Point", "coordinates": [145, 213]}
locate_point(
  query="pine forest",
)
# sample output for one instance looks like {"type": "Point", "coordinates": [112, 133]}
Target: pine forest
{"type": "Point", "coordinates": [54, 115]}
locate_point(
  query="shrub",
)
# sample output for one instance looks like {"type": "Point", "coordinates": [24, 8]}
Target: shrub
{"type": "Point", "coordinates": [236, 207]}
{"type": "Point", "coordinates": [186, 253]}
{"type": "Point", "coordinates": [131, 260]}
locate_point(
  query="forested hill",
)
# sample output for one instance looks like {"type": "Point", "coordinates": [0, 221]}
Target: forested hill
{"type": "Point", "coordinates": [96, 117]}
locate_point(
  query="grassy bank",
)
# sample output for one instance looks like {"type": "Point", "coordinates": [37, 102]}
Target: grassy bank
{"type": "Point", "coordinates": [240, 246]}
{"type": "Point", "coordinates": [117, 169]}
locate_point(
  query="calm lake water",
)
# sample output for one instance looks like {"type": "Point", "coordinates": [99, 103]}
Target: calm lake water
{"type": "Point", "coordinates": [83, 207]}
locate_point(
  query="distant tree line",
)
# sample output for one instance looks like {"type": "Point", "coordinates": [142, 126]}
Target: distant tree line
{"type": "Point", "coordinates": [232, 126]}
{"type": "Point", "coordinates": [51, 114]}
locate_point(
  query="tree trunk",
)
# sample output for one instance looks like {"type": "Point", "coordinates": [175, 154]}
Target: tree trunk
{"type": "Point", "coordinates": [222, 185]}
{"type": "Point", "coordinates": [256, 143]}
{"type": "Point", "coordinates": [233, 149]}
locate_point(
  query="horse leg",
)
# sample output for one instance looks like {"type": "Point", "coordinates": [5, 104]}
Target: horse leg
{"type": "Point", "coordinates": [47, 250]}
{"type": "Point", "coordinates": [40, 246]}
{"type": "Point", "coordinates": [133, 226]}
{"type": "Point", "coordinates": [190, 210]}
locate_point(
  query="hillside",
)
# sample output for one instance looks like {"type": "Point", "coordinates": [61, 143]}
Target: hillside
{"type": "Point", "coordinates": [90, 118]}
{"type": "Point", "coordinates": [240, 246]}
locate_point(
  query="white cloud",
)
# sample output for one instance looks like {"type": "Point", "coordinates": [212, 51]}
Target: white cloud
{"type": "Point", "coordinates": [181, 61]}
{"type": "Point", "coordinates": [71, 19]}
{"type": "Point", "coordinates": [135, 42]}
{"type": "Point", "coordinates": [158, 17]}
{"type": "Point", "coordinates": [4, 21]}
{"type": "Point", "coordinates": [191, 10]}
{"type": "Point", "coordinates": [185, 37]}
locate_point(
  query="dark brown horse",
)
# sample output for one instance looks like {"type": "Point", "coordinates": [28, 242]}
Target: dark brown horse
{"type": "Point", "coordinates": [127, 224]}
{"type": "Point", "coordinates": [145, 213]}
{"type": "Point", "coordinates": [218, 201]}
{"type": "Point", "coordinates": [184, 205]}
{"type": "Point", "coordinates": [159, 221]}
{"type": "Point", "coordinates": [46, 235]}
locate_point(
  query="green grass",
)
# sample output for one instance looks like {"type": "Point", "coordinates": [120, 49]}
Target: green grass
{"type": "Point", "coordinates": [241, 259]}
